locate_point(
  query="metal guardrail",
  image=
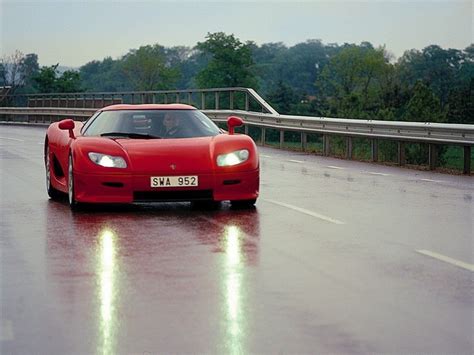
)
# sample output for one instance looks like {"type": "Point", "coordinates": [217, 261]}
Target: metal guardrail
{"type": "Point", "coordinates": [8, 112]}
{"type": "Point", "coordinates": [433, 134]}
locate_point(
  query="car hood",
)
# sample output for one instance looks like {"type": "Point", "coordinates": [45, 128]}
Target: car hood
{"type": "Point", "coordinates": [169, 156]}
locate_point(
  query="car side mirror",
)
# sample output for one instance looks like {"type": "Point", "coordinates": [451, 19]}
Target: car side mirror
{"type": "Point", "coordinates": [67, 125]}
{"type": "Point", "coordinates": [232, 122]}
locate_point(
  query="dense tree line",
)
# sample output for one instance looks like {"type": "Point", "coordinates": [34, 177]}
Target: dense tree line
{"type": "Point", "coordinates": [310, 78]}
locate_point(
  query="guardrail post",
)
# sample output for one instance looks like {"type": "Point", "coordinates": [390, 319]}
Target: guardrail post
{"type": "Point", "coordinates": [216, 99]}
{"type": "Point", "coordinates": [247, 103]}
{"type": "Point", "coordinates": [190, 99]}
{"type": "Point", "coordinates": [374, 145]}
{"type": "Point", "coordinates": [432, 156]}
{"type": "Point", "coordinates": [467, 160]}
{"type": "Point", "coordinates": [282, 139]}
{"type": "Point", "coordinates": [401, 154]}
{"type": "Point", "coordinates": [263, 136]}
{"type": "Point", "coordinates": [304, 141]}
{"type": "Point", "coordinates": [246, 129]}
{"type": "Point", "coordinates": [348, 147]}
{"type": "Point", "coordinates": [326, 147]}
{"type": "Point", "coordinates": [231, 100]}
{"type": "Point", "coordinates": [177, 97]}
{"type": "Point", "coordinates": [166, 98]}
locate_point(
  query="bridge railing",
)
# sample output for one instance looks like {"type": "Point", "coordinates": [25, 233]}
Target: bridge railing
{"type": "Point", "coordinates": [218, 98]}
{"type": "Point", "coordinates": [258, 114]}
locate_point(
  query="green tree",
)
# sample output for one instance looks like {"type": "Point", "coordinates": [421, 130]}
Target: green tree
{"type": "Point", "coordinates": [434, 66]}
{"type": "Point", "coordinates": [45, 80]}
{"type": "Point", "coordinates": [424, 106]}
{"type": "Point", "coordinates": [282, 98]}
{"type": "Point", "coordinates": [17, 71]}
{"type": "Point", "coordinates": [230, 62]}
{"type": "Point", "coordinates": [302, 64]}
{"type": "Point", "coordinates": [461, 96]}
{"type": "Point", "coordinates": [30, 68]}
{"type": "Point", "coordinates": [147, 69]}
{"type": "Point", "coordinates": [266, 64]}
{"type": "Point", "coordinates": [105, 75]}
{"type": "Point", "coordinates": [48, 80]}
{"type": "Point", "coordinates": [352, 81]}
{"type": "Point", "coordinates": [188, 61]}
{"type": "Point", "coordinates": [461, 105]}
{"type": "Point", "coordinates": [69, 81]}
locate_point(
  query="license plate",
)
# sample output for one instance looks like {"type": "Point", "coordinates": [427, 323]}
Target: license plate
{"type": "Point", "coordinates": [173, 181]}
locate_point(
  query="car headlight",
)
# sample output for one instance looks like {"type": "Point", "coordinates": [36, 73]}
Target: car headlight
{"type": "Point", "coordinates": [107, 161]}
{"type": "Point", "coordinates": [233, 158]}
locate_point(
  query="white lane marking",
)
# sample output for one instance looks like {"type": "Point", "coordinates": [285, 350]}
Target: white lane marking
{"type": "Point", "coordinates": [302, 210]}
{"type": "Point", "coordinates": [430, 180]}
{"type": "Point", "coordinates": [12, 139]}
{"type": "Point", "coordinates": [296, 161]}
{"type": "Point", "coordinates": [334, 167]}
{"type": "Point", "coordinates": [447, 259]}
{"type": "Point", "coordinates": [373, 173]}
{"type": "Point", "coordinates": [6, 330]}
{"type": "Point", "coordinates": [265, 156]}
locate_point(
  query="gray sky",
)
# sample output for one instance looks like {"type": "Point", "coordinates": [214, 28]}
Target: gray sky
{"type": "Point", "coordinates": [76, 32]}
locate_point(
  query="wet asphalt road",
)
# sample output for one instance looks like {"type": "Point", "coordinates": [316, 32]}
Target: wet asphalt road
{"type": "Point", "coordinates": [337, 257]}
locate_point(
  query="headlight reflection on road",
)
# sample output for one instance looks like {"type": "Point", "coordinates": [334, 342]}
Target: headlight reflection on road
{"type": "Point", "coordinates": [233, 290]}
{"type": "Point", "coordinates": [107, 273]}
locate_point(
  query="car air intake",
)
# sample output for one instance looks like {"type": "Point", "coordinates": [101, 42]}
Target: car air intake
{"type": "Point", "coordinates": [172, 196]}
{"type": "Point", "coordinates": [231, 182]}
{"type": "Point", "coordinates": [113, 184]}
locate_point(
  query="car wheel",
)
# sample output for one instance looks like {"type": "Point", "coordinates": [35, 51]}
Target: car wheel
{"type": "Point", "coordinates": [242, 204]}
{"type": "Point", "coordinates": [70, 185]}
{"type": "Point", "coordinates": [52, 192]}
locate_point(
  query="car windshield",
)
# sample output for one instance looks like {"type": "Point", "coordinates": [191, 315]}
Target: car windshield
{"type": "Point", "coordinates": [151, 124]}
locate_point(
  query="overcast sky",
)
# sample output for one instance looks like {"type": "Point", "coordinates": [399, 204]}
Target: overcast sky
{"type": "Point", "coordinates": [73, 33]}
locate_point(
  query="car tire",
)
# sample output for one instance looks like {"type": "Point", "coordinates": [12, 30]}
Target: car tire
{"type": "Point", "coordinates": [70, 186]}
{"type": "Point", "coordinates": [52, 192]}
{"type": "Point", "coordinates": [243, 204]}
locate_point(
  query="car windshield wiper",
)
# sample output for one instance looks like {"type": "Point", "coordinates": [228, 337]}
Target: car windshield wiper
{"type": "Point", "coordinates": [130, 135]}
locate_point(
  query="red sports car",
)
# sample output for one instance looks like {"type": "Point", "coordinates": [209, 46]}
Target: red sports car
{"type": "Point", "coordinates": [146, 153]}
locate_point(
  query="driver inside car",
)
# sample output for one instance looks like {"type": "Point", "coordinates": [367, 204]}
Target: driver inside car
{"type": "Point", "coordinates": [172, 125]}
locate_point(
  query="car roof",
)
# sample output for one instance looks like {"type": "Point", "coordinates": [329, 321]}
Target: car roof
{"type": "Point", "coordinates": [148, 107]}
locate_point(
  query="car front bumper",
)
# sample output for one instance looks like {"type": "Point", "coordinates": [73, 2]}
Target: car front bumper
{"type": "Point", "coordinates": [129, 188]}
